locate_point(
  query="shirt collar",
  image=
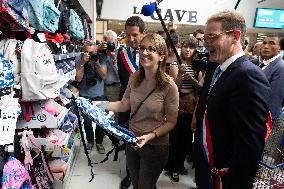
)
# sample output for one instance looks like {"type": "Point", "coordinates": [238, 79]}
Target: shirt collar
{"type": "Point", "coordinates": [132, 50]}
{"type": "Point", "coordinates": [230, 60]}
{"type": "Point", "coordinates": [266, 62]}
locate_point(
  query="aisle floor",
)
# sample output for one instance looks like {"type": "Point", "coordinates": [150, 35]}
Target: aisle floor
{"type": "Point", "coordinates": [109, 174]}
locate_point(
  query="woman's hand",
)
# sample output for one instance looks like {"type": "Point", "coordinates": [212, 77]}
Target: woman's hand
{"type": "Point", "coordinates": [101, 104]}
{"type": "Point", "coordinates": [142, 140]}
{"type": "Point", "coordinates": [181, 69]}
{"type": "Point", "coordinates": [193, 123]}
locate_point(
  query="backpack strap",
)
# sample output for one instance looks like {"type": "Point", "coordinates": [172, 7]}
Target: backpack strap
{"type": "Point", "coordinates": [77, 112]}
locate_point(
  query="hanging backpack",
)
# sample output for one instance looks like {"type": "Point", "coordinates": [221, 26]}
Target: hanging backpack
{"type": "Point", "coordinates": [12, 14]}
{"type": "Point", "coordinates": [39, 77]}
{"type": "Point", "coordinates": [35, 162]}
{"type": "Point", "coordinates": [43, 15]}
{"type": "Point", "coordinates": [6, 73]}
{"type": "Point", "coordinates": [8, 48]}
{"type": "Point", "coordinates": [15, 175]}
{"type": "Point", "coordinates": [76, 26]}
{"type": "Point", "coordinates": [18, 5]}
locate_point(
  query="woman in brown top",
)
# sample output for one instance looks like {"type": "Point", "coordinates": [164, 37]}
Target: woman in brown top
{"type": "Point", "coordinates": [155, 118]}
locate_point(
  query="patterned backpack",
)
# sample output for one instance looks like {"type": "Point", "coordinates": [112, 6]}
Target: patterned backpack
{"type": "Point", "coordinates": [43, 15]}
{"type": "Point", "coordinates": [15, 176]}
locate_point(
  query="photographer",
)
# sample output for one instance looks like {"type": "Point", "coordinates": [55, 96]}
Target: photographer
{"type": "Point", "coordinates": [90, 75]}
{"type": "Point", "coordinates": [108, 49]}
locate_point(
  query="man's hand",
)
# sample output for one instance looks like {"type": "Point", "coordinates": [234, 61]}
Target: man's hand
{"type": "Point", "coordinates": [112, 55]}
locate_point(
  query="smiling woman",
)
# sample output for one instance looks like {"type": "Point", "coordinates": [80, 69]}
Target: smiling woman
{"type": "Point", "coordinates": [151, 124]}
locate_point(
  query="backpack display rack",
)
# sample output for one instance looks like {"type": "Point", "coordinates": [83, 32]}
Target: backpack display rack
{"type": "Point", "coordinates": [270, 174]}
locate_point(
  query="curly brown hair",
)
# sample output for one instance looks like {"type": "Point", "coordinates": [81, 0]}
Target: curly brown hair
{"type": "Point", "coordinates": [163, 80]}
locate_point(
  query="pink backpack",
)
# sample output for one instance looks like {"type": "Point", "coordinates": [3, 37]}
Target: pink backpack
{"type": "Point", "coordinates": [15, 176]}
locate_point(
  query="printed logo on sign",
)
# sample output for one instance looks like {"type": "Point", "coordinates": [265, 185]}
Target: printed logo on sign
{"type": "Point", "coordinates": [41, 117]}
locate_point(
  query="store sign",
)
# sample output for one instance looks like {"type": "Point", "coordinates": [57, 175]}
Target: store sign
{"type": "Point", "coordinates": [173, 15]}
{"type": "Point", "coordinates": [39, 117]}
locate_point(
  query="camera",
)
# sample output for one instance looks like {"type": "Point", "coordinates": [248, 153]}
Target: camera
{"type": "Point", "coordinates": [111, 46]}
{"type": "Point", "coordinates": [201, 60]}
{"type": "Point", "coordinates": [95, 56]}
{"type": "Point", "coordinates": [202, 57]}
{"type": "Point", "coordinates": [91, 75]}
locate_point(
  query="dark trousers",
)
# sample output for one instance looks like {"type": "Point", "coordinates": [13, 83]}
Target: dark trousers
{"type": "Point", "coordinates": [99, 134]}
{"type": "Point", "coordinates": [146, 164]}
{"type": "Point", "coordinates": [180, 141]}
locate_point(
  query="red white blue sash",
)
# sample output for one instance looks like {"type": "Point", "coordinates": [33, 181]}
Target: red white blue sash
{"type": "Point", "coordinates": [128, 61]}
{"type": "Point", "coordinates": [215, 181]}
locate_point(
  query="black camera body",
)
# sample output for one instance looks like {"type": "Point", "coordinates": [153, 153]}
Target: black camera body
{"type": "Point", "coordinates": [201, 60]}
{"type": "Point", "coordinates": [111, 46]}
{"type": "Point", "coordinates": [95, 56]}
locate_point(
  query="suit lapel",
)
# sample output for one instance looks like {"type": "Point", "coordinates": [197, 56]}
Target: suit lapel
{"type": "Point", "coordinates": [270, 66]}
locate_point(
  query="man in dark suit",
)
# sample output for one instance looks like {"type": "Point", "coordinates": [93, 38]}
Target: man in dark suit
{"type": "Point", "coordinates": [234, 123]}
{"type": "Point", "coordinates": [127, 64]}
{"type": "Point", "coordinates": [273, 67]}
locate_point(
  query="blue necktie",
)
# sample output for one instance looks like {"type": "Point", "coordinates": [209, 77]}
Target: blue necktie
{"type": "Point", "coordinates": [216, 75]}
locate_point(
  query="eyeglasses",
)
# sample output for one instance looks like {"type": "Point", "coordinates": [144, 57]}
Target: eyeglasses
{"type": "Point", "coordinates": [149, 49]}
{"type": "Point", "coordinates": [212, 37]}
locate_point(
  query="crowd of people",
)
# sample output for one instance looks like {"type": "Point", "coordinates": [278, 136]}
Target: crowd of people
{"type": "Point", "coordinates": [215, 113]}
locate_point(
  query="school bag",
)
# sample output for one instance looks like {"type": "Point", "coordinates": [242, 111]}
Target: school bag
{"type": "Point", "coordinates": [39, 76]}
{"type": "Point", "coordinates": [15, 176]}
{"type": "Point", "coordinates": [76, 26]}
{"type": "Point", "coordinates": [6, 73]}
{"type": "Point", "coordinates": [8, 49]}
{"type": "Point", "coordinates": [43, 15]}
{"type": "Point", "coordinates": [12, 15]}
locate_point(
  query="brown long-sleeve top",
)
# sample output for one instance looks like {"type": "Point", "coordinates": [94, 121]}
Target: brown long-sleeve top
{"type": "Point", "coordinates": [153, 112]}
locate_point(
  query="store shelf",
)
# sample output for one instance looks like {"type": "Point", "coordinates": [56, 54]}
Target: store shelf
{"type": "Point", "coordinates": [58, 57]}
{"type": "Point", "coordinates": [58, 184]}
{"type": "Point", "coordinates": [41, 118]}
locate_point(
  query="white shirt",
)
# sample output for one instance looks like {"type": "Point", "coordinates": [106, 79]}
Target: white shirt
{"type": "Point", "coordinates": [267, 62]}
{"type": "Point", "coordinates": [230, 60]}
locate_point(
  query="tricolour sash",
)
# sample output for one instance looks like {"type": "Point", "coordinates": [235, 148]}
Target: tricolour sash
{"type": "Point", "coordinates": [128, 61]}
{"type": "Point", "coordinates": [215, 181]}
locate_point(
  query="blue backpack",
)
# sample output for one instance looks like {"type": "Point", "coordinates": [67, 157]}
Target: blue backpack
{"type": "Point", "coordinates": [76, 26]}
{"type": "Point", "coordinates": [43, 15]}
{"type": "Point", "coordinates": [18, 5]}
{"type": "Point", "coordinates": [6, 73]}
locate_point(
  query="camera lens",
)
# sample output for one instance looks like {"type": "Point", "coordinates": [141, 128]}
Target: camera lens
{"type": "Point", "coordinates": [111, 47]}
{"type": "Point", "coordinates": [94, 56]}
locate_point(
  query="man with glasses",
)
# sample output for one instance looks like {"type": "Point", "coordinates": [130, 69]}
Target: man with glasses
{"type": "Point", "coordinates": [127, 64]}
{"type": "Point", "coordinates": [234, 123]}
